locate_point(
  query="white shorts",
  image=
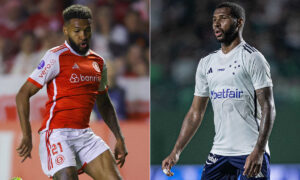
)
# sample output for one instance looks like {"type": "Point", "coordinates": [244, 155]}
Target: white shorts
{"type": "Point", "coordinates": [60, 148]}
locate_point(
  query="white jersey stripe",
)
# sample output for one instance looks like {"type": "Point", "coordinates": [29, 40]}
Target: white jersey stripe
{"type": "Point", "coordinates": [53, 105]}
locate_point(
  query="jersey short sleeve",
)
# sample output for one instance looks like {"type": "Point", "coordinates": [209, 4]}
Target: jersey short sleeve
{"type": "Point", "coordinates": [259, 71]}
{"type": "Point", "coordinates": [201, 88]}
{"type": "Point", "coordinates": [46, 70]}
{"type": "Point", "coordinates": [103, 83]}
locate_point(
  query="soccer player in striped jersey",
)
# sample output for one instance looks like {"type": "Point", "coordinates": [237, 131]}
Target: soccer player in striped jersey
{"type": "Point", "coordinates": [76, 77]}
{"type": "Point", "coordinates": [237, 80]}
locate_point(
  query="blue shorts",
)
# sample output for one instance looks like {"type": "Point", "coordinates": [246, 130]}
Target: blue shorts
{"type": "Point", "coordinates": [231, 167]}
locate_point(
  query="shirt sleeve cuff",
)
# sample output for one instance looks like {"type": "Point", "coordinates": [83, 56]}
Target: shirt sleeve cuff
{"type": "Point", "coordinates": [260, 86]}
{"type": "Point", "coordinates": [204, 94]}
{"type": "Point", "coordinates": [35, 83]}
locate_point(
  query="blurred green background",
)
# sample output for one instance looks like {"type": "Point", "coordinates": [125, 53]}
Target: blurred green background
{"type": "Point", "coordinates": [181, 34]}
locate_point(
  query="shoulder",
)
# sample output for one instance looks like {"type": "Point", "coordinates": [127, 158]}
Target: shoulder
{"type": "Point", "coordinates": [59, 49]}
{"type": "Point", "coordinates": [55, 52]}
{"type": "Point", "coordinates": [248, 48]}
{"type": "Point", "coordinates": [93, 53]}
{"type": "Point", "coordinates": [254, 59]}
{"type": "Point", "coordinates": [251, 53]}
{"type": "Point", "coordinates": [206, 59]}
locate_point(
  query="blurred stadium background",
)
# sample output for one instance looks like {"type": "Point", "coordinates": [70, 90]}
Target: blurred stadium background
{"type": "Point", "coordinates": [28, 28]}
{"type": "Point", "coordinates": [181, 34]}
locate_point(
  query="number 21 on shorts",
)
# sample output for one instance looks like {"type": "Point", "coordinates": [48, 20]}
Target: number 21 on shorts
{"type": "Point", "coordinates": [54, 148]}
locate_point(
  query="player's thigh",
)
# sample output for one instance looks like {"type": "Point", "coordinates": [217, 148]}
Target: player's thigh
{"type": "Point", "coordinates": [103, 167]}
{"type": "Point", "coordinates": [68, 173]}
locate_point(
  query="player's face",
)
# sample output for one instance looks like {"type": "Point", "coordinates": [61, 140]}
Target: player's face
{"type": "Point", "coordinates": [224, 25]}
{"type": "Point", "coordinates": [78, 32]}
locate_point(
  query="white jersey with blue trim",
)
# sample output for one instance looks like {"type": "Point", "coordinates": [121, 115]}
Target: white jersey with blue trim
{"type": "Point", "coordinates": [230, 80]}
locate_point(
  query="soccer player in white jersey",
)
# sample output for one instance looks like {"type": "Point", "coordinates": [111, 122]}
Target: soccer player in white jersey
{"type": "Point", "coordinates": [237, 80]}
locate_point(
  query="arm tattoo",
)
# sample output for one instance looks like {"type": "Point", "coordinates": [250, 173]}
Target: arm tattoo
{"type": "Point", "coordinates": [266, 101]}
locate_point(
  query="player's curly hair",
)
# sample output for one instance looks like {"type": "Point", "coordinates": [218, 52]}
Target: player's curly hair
{"type": "Point", "coordinates": [237, 11]}
{"type": "Point", "coordinates": [77, 11]}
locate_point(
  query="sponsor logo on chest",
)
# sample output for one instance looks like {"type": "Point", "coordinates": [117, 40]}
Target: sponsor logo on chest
{"type": "Point", "coordinates": [87, 74]}
{"type": "Point", "coordinates": [84, 78]}
{"type": "Point", "coordinates": [225, 93]}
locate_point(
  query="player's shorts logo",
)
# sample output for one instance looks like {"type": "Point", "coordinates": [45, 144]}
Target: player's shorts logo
{"type": "Point", "coordinates": [59, 159]}
{"type": "Point", "coordinates": [41, 65]}
{"type": "Point", "coordinates": [211, 160]}
{"type": "Point", "coordinates": [96, 66]}
{"type": "Point", "coordinates": [74, 78]}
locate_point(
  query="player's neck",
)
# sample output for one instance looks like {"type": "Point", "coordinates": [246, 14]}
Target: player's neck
{"type": "Point", "coordinates": [227, 47]}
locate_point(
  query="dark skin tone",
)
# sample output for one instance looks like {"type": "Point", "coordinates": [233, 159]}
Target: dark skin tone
{"type": "Point", "coordinates": [228, 31]}
{"type": "Point", "coordinates": [78, 34]}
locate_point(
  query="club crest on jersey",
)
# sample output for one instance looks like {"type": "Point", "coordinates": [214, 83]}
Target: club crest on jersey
{"type": "Point", "coordinates": [96, 66]}
{"type": "Point", "coordinates": [210, 71]}
{"type": "Point", "coordinates": [234, 67]}
{"type": "Point", "coordinates": [41, 65]}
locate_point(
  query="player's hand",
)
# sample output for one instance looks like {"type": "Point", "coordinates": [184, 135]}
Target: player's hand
{"type": "Point", "coordinates": [169, 162]}
{"type": "Point", "coordinates": [25, 147]}
{"type": "Point", "coordinates": [120, 152]}
{"type": "Point", "coordinates": [253, 163]}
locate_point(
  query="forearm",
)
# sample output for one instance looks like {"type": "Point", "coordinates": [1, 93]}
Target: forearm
{"type": "Point", "coordinates": [189, 127]}
{"type": "Point", "coordinates": [23, 105]}
{"type": "Point", "coordinates": [109, 116]}
{"type": "Point", "coordinates": [266, 125]}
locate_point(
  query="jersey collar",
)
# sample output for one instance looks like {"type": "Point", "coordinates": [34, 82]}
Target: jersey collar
{"type": "Point", "coordinates": [74, 52]}
{"type": "Point", "coordinates": [232, 50]}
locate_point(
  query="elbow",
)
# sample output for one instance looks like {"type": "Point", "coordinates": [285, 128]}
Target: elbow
{"type": "Point", "coordinates": [273, 111]}
{"type": "Point", "coordinates": [195, 117]}
{"type": "Point", "coordinates": [18, 97]}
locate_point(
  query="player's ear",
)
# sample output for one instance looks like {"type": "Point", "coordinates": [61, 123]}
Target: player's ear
{"type": "Point", "coordinates": [240, 23]}
{"type": "Point", "coordinates": [65, 30]}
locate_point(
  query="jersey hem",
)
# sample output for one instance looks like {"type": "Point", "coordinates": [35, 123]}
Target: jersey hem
{"type": "Point", "coordinates": [35, 83]}
{"type": "Point", "coordinates": [59, 128]}
{"type": "Point", "coordinates": [234, 154]}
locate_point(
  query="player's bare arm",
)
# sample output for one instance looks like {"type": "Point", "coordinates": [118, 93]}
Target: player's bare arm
{"type": "Point", "coordinates": [108, 113]}
{"type": "Point", "coordinates": [22, 101]}
{"type": "Point", "coordinates": [189, 127]}
{"type": "Point", "coordinates": [254, 161]}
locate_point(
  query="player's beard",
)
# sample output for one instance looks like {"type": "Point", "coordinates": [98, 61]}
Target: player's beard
{"type": "Point", "coordinates": [76, 48]}
{"type": "Point", "coordinates": [229, 35]}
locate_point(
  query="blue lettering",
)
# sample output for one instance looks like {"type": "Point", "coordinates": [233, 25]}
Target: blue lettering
{"type": "Point", "coordinates": [231, 94]}
{"type": "Point", "coordinates": [226, 93]}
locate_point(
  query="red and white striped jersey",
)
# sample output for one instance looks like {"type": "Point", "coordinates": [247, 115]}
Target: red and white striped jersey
{"type": "Point", "coordinates": [73, 81]}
